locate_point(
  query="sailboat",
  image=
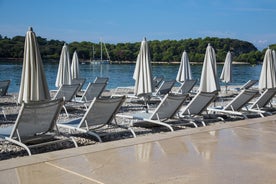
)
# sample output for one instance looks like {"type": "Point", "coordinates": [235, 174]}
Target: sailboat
{"type": "Point", "coordinates": [101, 60]}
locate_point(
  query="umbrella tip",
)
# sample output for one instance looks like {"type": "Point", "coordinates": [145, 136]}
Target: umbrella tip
{"type": "Point", "coordinates": [30, 28]}
{"type": "Point", "coordinates": [144, 39]}
{"type": "Point", "coordinates": [209, 44]}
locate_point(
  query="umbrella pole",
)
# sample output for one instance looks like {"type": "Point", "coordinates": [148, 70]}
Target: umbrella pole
{"type": "Point", "coordinates": [226, 87]}
{"type": "Point", "coordinates": [146, 102]}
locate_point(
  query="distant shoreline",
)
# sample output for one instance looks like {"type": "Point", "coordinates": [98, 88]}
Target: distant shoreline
{"type": "Point", "coordinates": [129, 62]}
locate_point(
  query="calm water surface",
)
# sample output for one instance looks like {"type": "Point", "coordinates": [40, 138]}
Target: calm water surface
{"type": "Point", "coordinates": [119, 74]}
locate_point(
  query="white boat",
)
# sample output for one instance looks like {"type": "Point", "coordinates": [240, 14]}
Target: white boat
{"type": "Point", "coordinates": [101, 60]}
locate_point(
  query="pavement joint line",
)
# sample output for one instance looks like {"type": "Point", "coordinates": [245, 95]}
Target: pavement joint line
{"type": "Point", "coordinates": [72, 172]}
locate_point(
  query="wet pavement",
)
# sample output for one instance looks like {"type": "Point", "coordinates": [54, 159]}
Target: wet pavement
{"type": "Point", "coordinates": [234, 152]}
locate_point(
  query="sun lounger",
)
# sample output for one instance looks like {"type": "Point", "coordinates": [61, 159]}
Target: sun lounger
{"type": "Point", "coordinates": [235, 106]}
{"type": "Point", "coordinates": [4, 86]}
{"type": "Point", "coordinates": [101, 80]}
{"type": "Point", "coordinates": [98, 116]}
{"type": "Point", "coordinates": [79, 81]}
{"type": "Point", "coordinates": [167, 109]}
{"type": "Point", "coordinates": [164, 88]}
{"type": "Point", "coordinates": [194, 109]}
{"type": "Point", "coordinates": [157, 80]}
{"type": "Point", "coordinates": [186, 86]}
{"type": "Point", "coordinates": [260, 104]}
{"type": "Point", "coordinates": [35, 125]}
{"type": "Point", "coordinates": [68, 92]}
{"type": "Point", "coordinates": [93, 90]}
{"type": "Point", "coordinates": [247, 85]}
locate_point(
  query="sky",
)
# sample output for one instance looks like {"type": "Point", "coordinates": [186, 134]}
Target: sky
{"type": "Point", "coordinates": [120, 21]}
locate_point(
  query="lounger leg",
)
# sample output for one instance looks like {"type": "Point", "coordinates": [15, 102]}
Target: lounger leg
{"type": "Point", "coordinates": [194, 123]}
{"type": "Point", "coordinates": [75, 143]}
{"type": "Point", "coordinates": [5, 117]}
{"type": "Point", "coordinates": [20, 144]}
{"type": "Point", "coordinates": [125, 127]}
{"type": "Point", "coordinates": [65, 110]}
{"type": "Point", "coordinates": [96, 135]}
{"type": "Point", "coordinates": [203, 123]}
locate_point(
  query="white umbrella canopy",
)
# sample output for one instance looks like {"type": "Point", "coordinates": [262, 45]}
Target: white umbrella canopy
{"type": "Point", "coordinates": [64, 70]}
{"type": "Point", "coordinates": [209, 80]}
{"type": "Point", "coordinates": [184, 71]}
{"type": "Point", "coordinates": [268, 74]}
{"type": "Point", "coordinates": [75, 70]}
{"type": "Point", "coordinates": [143, 72]}
{"type": "Point", "coordinates": [33, 86]}
{"type": "Point", "coordinates": [226, 74]}
{"type": "Point", "coordinates": [274, 58]}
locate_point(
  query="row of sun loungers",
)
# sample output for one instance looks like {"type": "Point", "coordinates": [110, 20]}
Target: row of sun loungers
{"type": "Point", "coordinates": [34, 126]}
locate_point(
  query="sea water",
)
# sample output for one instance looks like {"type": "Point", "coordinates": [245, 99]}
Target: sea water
{"type": "Point", "coordinates": [120, 74]}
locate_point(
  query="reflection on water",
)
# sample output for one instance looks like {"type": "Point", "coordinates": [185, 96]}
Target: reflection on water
{"type": "Point", "coordinates": [119, 74]}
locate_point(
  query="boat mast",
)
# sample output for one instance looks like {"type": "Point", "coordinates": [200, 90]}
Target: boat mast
{"type": "Point", "coordinates": [101, 50]}
{"type": "Point", "coordinates": [106, 52]}
{"type": "Point", "coordinates": [93, 52]}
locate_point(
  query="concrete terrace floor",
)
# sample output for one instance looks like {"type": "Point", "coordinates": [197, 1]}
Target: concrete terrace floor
{"type": "Point", "coordinates": [234, 152]}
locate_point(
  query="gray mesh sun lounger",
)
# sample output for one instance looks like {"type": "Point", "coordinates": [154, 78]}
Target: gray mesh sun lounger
{"type": "Point", "coordinates": [93, 90]}
{"type": "Point", "coordinates": [68, 92]}
{"type": "Point", "coordinates": [157, 80]}
{"type": "Point", "coordinates": [186, 86]}
{"type": "Point", "coordinates": [165, 87]}
{"type": "Point", "coordinates": [260, 104]}
{"type": "Point", "coordinates": [35, 125]}
{"type": "Point", "coordinates": [79, 81]}
{"type": "Point", "coordinates": [101, 80]}
{"type": "Point", "coordinates": [197, 105]}
{"type": "Point", "coordinates": [247, 85]}
{"type": "Point", "coordinates": [167, 109]}
{"type": "Point", "coordinates": [235, 106]}
{"type": "Point", "coordinates": [99, 115]}
{"type": "Point", "coordinates": [4, 86]}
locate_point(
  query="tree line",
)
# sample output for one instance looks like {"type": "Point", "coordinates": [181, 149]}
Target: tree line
{"type": "Point", "coordinates": [161, 51]}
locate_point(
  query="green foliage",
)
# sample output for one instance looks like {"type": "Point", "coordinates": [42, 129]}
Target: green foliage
{"type": "Point", "coordinates": [273, 46]}
{"type": "Point", "coordinates": [161, 51]}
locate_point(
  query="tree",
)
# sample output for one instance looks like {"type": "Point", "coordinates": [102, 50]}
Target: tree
{"type": "Point", "coordinates": [164, 51]}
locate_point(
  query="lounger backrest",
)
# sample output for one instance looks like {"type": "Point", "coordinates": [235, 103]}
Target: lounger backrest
{"type": "Point", "coordinates": [93, 90]}
{"type": "Point", "coordinates": [241, 100]}
{"type": "Point", "coordinates": [187, 86]}
{"type": "Point", "coordinates": [80, 81]}
{"type": "Point", "coordinates": [36, 118]}
{"type": "Point", "coordinates": [199, 103]}
{"type": "Point", "coordinates": [249, 84]}
{"type": "Point", "coordinates": [101, 80]}
{"type": "Point", "coordinates": [101, 111]}
{"type": "Point", "coordinates": [165, 87]}
{"type": "Point", "coordinates": [67, 92]}
{"type": "Point", "coordinates": [157, 81]}
{"type": "Point", "coordinates": [4, 85]}
{"type": "Point", "coordinates": [169, 106]}
{"type": "Point", "coordinates": [264, 99]}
